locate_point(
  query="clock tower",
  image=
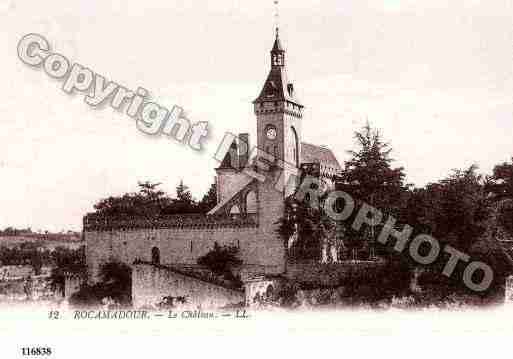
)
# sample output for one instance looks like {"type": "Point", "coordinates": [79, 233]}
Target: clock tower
{"type": "Point", "coordinates": [279, 114]}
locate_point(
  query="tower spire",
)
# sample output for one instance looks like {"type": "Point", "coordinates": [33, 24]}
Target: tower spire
{"type": "Point", "coordinates": [276, 17]}
{"type": "Point", "coordinates": [277, 87]}
{"type": "Point", "coordinates": [277, 52]}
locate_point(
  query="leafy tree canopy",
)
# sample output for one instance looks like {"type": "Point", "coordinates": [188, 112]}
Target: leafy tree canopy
{"type": "Point", "coordinates": [500, 184]}
{"type": "Point", "coordinates": [312, 226]}
{"type": "Point", "coordinates": [151, 201]}
{"type": "Point", "coordinates": [453, 210]}
{"type": "Point", "coordinates": [115, 283]}
{"type": "Point", "coordinates": [221, 259]}
{"type": "Point", "coordinates": [368, 175]}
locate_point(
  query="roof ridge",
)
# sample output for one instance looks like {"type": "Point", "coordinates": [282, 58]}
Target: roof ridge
{"type": "Point", "coordinates": [316, 153]}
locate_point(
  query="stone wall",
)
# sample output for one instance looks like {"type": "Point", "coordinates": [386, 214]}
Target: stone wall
{"type": "Point", "coordinates": [34, 288]}
{"type": "Point", "coordinates": [150, 284]}
{"type": "Point", "coordinates": [16, 271]}
{"type": "Point", "coordinates": [333, 274]}
{"type": "Point", "coordinates": [258, 289]}
{"type": "Point", "coordinates": [179, 246]}
{"type": "Point", "coordinates": [509, 289]}
{"type": "Point", "coordinates": [72, 284]}
{"type": "Point", "coordinates": [227, 179]}
{"type": "Point", "coordinates": [270, 210]}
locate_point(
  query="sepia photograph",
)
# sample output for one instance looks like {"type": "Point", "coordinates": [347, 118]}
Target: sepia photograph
{"type": "Point", "coordinates": [178, 176]}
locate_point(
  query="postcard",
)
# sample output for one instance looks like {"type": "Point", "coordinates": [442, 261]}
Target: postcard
{"type": "Point", "coordinates": [236, 178]}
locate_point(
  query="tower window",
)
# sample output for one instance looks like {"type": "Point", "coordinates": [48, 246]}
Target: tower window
{"type": "Point", "coordinates": [295, 147]}
{"type": "Point", "coordinates": [278, 60]}
{"type": "Point", "coordinates": [155, 255]}
{"type": "Point", "coordinates": [290, 90]}
{"type": "Point", "coordinates": [251, 202]}
{"type": "Point", "coordinates": [235, 210]}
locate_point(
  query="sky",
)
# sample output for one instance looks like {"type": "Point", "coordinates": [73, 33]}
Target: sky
{"type": "Point", "coordinates": [435, 78]}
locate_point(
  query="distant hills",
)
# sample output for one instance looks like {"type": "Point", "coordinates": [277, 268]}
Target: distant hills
{"type": "Point", "coordinates": [70, 239]}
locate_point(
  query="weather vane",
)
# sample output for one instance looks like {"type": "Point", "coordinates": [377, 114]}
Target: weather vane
{"type": "Point", "coordinates": [276, 16]}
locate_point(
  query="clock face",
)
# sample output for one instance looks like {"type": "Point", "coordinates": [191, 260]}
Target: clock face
{"type": "Point", "coordinates": [271, 132]}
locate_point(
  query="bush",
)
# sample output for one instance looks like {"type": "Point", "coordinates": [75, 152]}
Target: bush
{"type": "Point", "coordinates": [115, 283]}
{"type": "Point", "coordinates": [89, 296]}
{"type": "Point", "coordinates": [221, 260]}
{"type": "Point", "coordinates": [506, 216]}
{"type": "Point", "coordinates": [287, 294]}
{"type": "Point", "coordinates": [170, 302]}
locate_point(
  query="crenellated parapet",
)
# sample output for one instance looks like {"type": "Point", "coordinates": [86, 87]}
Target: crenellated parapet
{"type": "Point", "coordinates": [93, 222]}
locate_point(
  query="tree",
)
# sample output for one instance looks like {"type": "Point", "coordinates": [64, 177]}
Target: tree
{"type": "Point", "coordinates": [453, 210]}
{"type": "Point", "coordinates": [310, 225]}
{"type": "Point", "coordinates": [149, 201]}
{"type": "Point", "coordinates": [36, 262]}
{"type": "Point", "coordinates": [500, 184]}
{"type": "Point", "coordinates": [30, 253]}
{"type": "Point", "coordinates": [505, 216]}
{"type": "Point", "coordinates": [183, 194]}
{"type": "Point", "coordinates": [209, 200]}
{"type": "Point", "coordinates": [183, 203]}
{"type": "Point", "coordinates": [458, 211]}
{"type": "Point", "coordinates": [221, 259]}
{"type": "Point", "coordinates": [150, 191]}
{"type": "Point", "coordinates": [115, 283]}
{"type": "Point", "coordinates": [170, 302]}
{"type": "Point", "coordinates": [369, 178]}
{"type": "Point", "coordinates": [117, 277]}
{"type": "Point", "coordinates": [66, 260]}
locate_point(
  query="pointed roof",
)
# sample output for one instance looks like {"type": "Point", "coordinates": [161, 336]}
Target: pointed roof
{"type": "Point", "coordinates": [276, 86]}
{"type": "Point", "coordinates": [277, 44]}
{"type": "Point", "coordinates": [229, 160]}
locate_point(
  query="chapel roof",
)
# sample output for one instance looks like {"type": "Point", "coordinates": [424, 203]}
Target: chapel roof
{"type": "Point", "coordinates": [317, 154]}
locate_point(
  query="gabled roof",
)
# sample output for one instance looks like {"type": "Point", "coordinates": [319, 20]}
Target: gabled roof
{"type": "Point", "coordinates": [230, 158]}
{"type": "Point", "coordinates": [235, 189]}
{"type": "Point", "coordinates": [313, 154]}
